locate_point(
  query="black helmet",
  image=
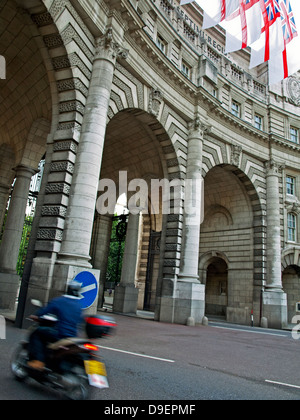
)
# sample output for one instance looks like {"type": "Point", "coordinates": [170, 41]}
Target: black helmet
{"type": "Point", "coordinates": [73, 288]}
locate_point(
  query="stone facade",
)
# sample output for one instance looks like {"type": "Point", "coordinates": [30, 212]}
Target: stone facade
{"type": "Point", "coordinates": [103, 86]}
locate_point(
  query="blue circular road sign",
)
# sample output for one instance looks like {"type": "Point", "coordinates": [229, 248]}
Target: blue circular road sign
{"type": "Point", "coordinates": [89, 288]}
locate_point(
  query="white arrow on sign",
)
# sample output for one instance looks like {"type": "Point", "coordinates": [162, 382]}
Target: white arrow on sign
{"type": "Point", "coordinates": [87, 289]}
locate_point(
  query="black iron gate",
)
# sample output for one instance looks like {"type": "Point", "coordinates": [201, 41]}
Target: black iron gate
{"type": "Point", "coordinates": [153, 257]}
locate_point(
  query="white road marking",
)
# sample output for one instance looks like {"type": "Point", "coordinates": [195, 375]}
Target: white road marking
{"type": "Point", "coordinates": [138, 354]}
{"type": "Point", "coordinates": [252, 332]}
{"type": "Point", "coordinates": [283, 384]}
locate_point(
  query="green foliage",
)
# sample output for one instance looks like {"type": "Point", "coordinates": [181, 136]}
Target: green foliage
{"type": "Point", "coordinates": [115, 258]}
{"type": "Point", "coordinates": [24, 244]}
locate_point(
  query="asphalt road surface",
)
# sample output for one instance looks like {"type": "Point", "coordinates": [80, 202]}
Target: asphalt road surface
{"type": "Point", "coordinates": [153, 361]}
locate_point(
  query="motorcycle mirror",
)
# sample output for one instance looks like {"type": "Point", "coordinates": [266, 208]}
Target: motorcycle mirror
{"type": "Point", "coordinates": [37, 303]}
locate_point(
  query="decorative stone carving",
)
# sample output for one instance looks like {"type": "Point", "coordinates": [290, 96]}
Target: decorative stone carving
{"type": "Point", "coordinates": [62, 167]}
{"type": "Point", "coordinates": [65, 145]}
{"type": "Point", "coordinates": [293, 88]}
{"type": "Point", "coordinates": [293, 207]}
{"type": "Point", "coordinates": [155, 101]}
{"type": "Point", "coordinates": [236, 152]}
{"type": "Point", "coordinates": [107, 48]}
{"type": "Point", "coordinates": [198, 126]}
{"type": "Point", "coordinates": [50, 234]}
{"type": "Point", "coordinates": [273, 167]}
{"type": "Point", "coordinates": [42, 19]}
{"type": "Point", "coordinates": [71, 106]}
{"type": "Point", "coordinates": [58, 188]}
{"type": "Point", "coordinates": [54, 211]}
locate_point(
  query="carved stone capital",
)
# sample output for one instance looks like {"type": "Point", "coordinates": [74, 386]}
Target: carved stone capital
{"type": "Point", "coordinates": [197, 128]}
{"type": "Point", "coordinates": [108, 49]}
{"type": "Point", "coordinates": [274, 168]}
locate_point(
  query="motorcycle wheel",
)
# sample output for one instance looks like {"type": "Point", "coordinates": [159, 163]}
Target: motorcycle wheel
{"type": "Point", "coordinates": [78, 392]}
{"type": "Point", "coordinates": [79, 388]}
{"type": "Point", "coordinates": [18, 363]}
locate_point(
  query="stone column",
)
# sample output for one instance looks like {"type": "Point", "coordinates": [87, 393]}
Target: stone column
{"type": "Point", "coordinates": [10, 245]}
{"type": "Point", "coordinates": [4, 194]}
{"type": "Point", "coordinates": [192, 207]}
{"type": "Point", "coordinates": [81, 209]}
{"type": "Point", "coordinates": [274, 299]}
{"type": "Point", "coordinates": [74, 253]}
{"type": "Point", "coordinates": [189, 296]}
{"type": "Point", "coordinates": [126, 294]}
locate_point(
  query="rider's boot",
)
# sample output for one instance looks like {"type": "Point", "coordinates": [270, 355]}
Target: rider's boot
{"type": "Point", "coordinates": [36, 364]}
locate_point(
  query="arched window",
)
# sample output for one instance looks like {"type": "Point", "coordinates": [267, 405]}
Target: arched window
{"type": "Point", "coordinates": [292, 227]}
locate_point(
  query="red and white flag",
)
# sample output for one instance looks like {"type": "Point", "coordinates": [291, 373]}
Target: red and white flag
{"type": "Point", "coordinates": [271, 41]}
{"type": "Point", "coordinates": [268, 26]}
{"type": "Point", "coordinates": [286, 62]}
{"type": "Point", "coordinates": [215, 11]}
{"type": "Point", "coordinates": [243, 27]}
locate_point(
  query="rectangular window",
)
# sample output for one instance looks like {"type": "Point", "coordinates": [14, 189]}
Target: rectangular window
{"type": "Point", "coordinates": [235, 109]}
{"type": "Point", "coordinates": [291, 227]}
{"type": "Point", "coordinates": [161, 44]}
{"type": "Point", "coordinates": [290, 185]}
{"type": "Point", "coordinates": [294, 135]}
{"type": "Point", "coordinates": [185, 69]}
{"type": "Point", "coordinates": [258, 122]}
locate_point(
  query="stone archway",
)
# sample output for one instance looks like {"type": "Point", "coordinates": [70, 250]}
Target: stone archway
{"type": "Point", "coordinates": [216, 291]}
{"type": "Point", "coordinates": [134, 148]}
{"type": "Point", "coordinates": [233, 225]}
{"type": "Point", "coordinates": [291, 286]}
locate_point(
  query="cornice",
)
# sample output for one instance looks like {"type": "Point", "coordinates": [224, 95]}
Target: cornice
{"type": "Point", "coordinates": [284, 143]}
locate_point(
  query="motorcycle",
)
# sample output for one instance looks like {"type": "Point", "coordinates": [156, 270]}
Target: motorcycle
{"type": "Point", "coordinates": [72, 364]}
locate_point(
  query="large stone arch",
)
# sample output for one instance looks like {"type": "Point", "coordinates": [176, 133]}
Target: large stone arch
{"type": "Point", "coordinates": [220, 159]}
{"type": "Point", "coordinates": [137, 143]}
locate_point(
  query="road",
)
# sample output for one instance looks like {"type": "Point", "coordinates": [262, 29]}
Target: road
{"type": "Point", "coordinates": [153, 361]}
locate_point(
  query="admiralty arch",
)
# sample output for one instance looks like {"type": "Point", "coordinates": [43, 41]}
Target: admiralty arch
{"type": "Point", "coordinates": [98, 88]}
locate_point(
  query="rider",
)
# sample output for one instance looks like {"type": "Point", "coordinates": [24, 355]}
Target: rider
{"type": "Point", "coordinates": [68, 310]}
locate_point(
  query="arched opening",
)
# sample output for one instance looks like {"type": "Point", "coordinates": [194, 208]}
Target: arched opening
{"type": "Point", "coordinates": [232, 227]}
{"type": "Point", "coordinates": [133, 157]}
{"type": "Point", "coordinates": [291, 286]}
{"type": "Point", "coordinates": [216, 291]}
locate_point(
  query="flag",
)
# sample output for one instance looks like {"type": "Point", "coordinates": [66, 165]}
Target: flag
{"type": "Point", "coordinates": [268, 26]}
{"type": "Point", "coordinates": [288, 22]}
{"type": "Point", "coordinates": [243, 27]}
{"type": "Point", "coordinates": [271, 41]}
{"type": "Point", "coordinates": [286, 63]}
{"type": "Point", "coordinates": [215, 11]}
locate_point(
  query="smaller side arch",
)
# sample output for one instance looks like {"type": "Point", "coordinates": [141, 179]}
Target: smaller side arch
{"type": "Point", "coordinates": [206, 259]}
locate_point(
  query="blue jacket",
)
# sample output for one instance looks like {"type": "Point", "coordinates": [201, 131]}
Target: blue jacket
{"type": "Point", "coordinates": [69, 314]}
